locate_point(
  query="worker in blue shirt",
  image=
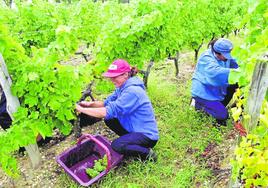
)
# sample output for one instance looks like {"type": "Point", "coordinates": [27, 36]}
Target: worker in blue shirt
{"type": "Point", "coordinates": [128, 112]}
{"type": "Point", "coordinates": [211, 91]}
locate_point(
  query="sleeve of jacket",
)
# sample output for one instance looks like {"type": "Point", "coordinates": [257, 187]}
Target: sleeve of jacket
{"type": "Point", "coordinates": [124, 105]}
{"type": "Point", "coordinates": [214, 74]}
{"type": "Point", "coordinates": [110, 98]}
{"type": "Point", "coordinates": [233, 64]}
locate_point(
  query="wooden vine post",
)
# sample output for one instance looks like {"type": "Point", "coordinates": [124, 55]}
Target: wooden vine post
{"type": "Point", "coordinates": [12, 106]}
{"type": "Point", "coordinates": [257, 92]}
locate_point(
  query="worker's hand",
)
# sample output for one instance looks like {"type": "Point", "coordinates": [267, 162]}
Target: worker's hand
{"type": "Point", "coordinates": [235, 70]}
{"type": "Point", "coordinates": [78, 108]}
{"type": "Point", "coordinates": [86, 103]}
{"type": "Point", "coordinates": [233, 64]}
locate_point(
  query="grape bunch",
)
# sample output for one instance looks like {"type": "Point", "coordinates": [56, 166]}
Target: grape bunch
{"type": "Point", "coordinates": [99, 166]}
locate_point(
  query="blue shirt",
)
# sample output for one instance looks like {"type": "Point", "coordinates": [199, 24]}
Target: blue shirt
{"type": "Point", "coordinates": [132, 107]}
{"type": "Point", "coordinates": [210, 79]}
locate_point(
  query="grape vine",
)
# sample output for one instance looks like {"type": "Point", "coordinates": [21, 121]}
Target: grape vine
{"type": "Point", "coordinates": [38, 35]}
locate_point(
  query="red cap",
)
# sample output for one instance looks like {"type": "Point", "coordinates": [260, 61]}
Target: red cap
{"type": "Point", "coordinates": [117, 68]}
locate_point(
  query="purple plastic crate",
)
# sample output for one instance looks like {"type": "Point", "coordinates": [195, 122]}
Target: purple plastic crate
{"type": "Point", "coordinates": [78, 158]}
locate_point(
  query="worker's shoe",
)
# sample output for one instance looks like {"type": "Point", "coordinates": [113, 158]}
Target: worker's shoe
{"type": "Point", "coordinates": [151, 156]}
{"type": "Point", "coordinates": [221, 122]}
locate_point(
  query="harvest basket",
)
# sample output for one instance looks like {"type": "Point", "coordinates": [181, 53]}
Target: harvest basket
{"type": "Point", "coordinates": [78, 158]}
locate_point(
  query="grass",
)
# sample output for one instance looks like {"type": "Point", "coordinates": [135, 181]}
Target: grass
{"type": "Point", "coordinates": [184, 134]}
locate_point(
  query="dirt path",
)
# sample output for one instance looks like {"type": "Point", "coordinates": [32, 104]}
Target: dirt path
{"type": "Point", "coordinates": [218, 159]}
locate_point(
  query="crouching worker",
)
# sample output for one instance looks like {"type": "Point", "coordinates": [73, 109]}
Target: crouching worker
{"type": "Point", "coordinates": [211, 91]}
{"type": "Point", "coordinates": [128, 112]}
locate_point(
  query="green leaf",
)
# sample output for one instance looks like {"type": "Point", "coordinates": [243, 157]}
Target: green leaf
{"type": "Point", "coordinates": [31, 100]}
{"type": "Point", "coordinates": [33, 76]}
{"type": "Point", "coordinates": [54, 104]}
{"type": "Point", "coordinates": [233, 76]}
{"type": "Point", "coordinates": [69, 115]}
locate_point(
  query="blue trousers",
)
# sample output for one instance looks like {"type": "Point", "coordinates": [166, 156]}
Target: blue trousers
{"type": "Point", "coordinates": [130, 144]}
{"type": "Point", "coordinates": [216, 109]}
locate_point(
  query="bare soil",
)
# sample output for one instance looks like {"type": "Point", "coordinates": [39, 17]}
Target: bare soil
{"type": "Point", "coordinates": [218, 158]}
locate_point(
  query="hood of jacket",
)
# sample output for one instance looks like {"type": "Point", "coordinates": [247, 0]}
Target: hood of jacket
{"type": "Point", "coordinates": [132, 81]}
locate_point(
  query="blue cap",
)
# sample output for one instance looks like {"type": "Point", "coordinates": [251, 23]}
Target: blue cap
{"type": "Point", "coordinates": [224, 47]}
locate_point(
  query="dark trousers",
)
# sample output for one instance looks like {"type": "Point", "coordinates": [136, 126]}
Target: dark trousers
{"type": "Point", "coordinates": [216, 109]}
{"type": "Point", "coordinates": [5, 120]}
{"type": "Point", "coordinates": [130, 144]}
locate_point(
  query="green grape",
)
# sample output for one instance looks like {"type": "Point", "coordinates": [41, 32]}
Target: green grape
{"type": "Point", "coordinates": [104, 160]}
{"type": "Point", "coordinates": [91, 172]}
{"type": "Point", "coordinates": [99, 166]}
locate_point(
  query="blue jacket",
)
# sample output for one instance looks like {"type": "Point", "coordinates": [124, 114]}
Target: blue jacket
{"type": "Point", "coordinates": [210, 79]}
{"type": "Point", "coordinates": [132, 107]}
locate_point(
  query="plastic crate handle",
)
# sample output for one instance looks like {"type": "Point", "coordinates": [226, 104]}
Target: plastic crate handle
{"type": "Point", "coordinates": [107, 151]}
